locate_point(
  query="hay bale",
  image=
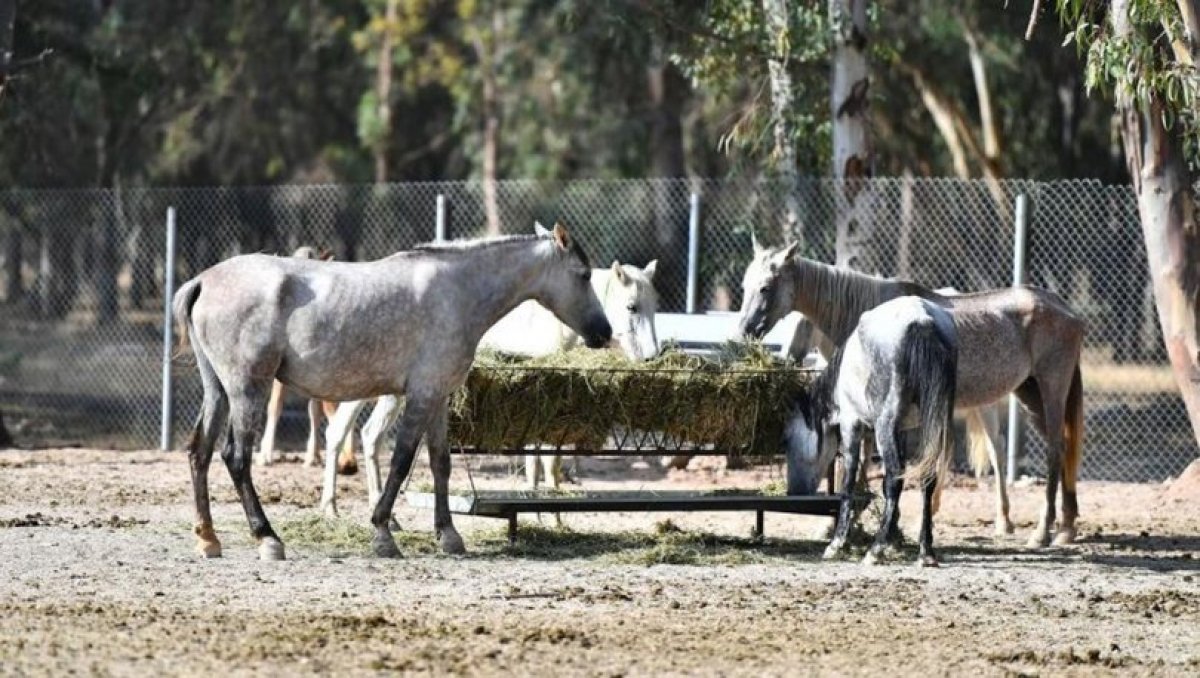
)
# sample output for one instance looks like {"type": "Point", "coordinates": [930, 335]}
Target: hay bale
{"type": "Point", "coordinates": [737, 402]}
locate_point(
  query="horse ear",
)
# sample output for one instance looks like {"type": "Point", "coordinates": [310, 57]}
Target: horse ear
{"type": "Point", "coordinates": [540, 230]}
{"type": "Point", "coordinates": [619, 272]}
{"type": "Point", "coordinates": [758, 248]}
{"type": "Point", "coordinates": [789, 252]}
{"type": "Point", "coordinates": [560, 235]}
{"type": "Point", "coordinates": [650, 269]}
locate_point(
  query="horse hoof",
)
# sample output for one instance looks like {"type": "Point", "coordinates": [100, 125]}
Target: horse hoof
{"type": "Point", "coordinates": [1038, 540]}
{"type": "Point", "coordinates": [1004, 528]}
{"type": "Point", "coordinates": [1065, 537]}
{"type": "Point", "coordinates": [831, 553]}
{"type": "Point", "coordinates": [270, 549]}
{"type": "Point", "coordinates": [927, 561]}
{"type": "Point", "coordinates": [209, 549]}
{"type": "Point", "coordinates": [393, 524]}
{"type": "Point", "coordinates": [384, 546]}
{"type": "Point", "coordinates": [823, 532]}
{"type": "Point", "coordinates": [873, 558]}
{"type": "Point", "coordinates": [329, 509]}
{"type": "Point", "coordinates": [452, 544]}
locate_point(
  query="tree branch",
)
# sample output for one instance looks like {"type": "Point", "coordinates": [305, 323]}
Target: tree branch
{"type": "Point", "coordinates": [1033, 19]}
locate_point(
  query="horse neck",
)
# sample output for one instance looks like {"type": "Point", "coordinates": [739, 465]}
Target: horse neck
{"type": "Point", "coordinates": [834, 298]}
{"type": "Point", "coordinates": [502, 277]}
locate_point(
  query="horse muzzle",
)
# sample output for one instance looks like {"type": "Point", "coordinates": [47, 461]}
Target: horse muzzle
{"type": "Point", "coordinates": [597, 333]}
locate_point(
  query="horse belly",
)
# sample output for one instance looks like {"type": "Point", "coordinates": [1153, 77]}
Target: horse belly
{"type": "Point", "coordinates": [990, 366]}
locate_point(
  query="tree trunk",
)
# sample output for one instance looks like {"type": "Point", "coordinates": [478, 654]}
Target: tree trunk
{"type": "Point", "coordinates": [8, 17]}
{"type": "Point", "coordinates": [783, 153]}
{"type": "Point", "coordinates": [488, 52]}
{"type": "Point", "coordinates": [666, 90]}
{"type": "Point", "coordinates": [6, 439]}
{"type": "Point", "coordinates": [13, 260]}
{"type": "Point", "coordinates": [383, 92]}
{"type": "Point", "coordinates": [1160, 178]}
{"type": "Point", "coordinates": [853, 157]}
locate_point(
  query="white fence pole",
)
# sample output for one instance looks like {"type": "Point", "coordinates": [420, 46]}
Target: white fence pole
{"type": "Point", "coordinates": [1020, 238]}
{"type": "Point", "coordinates": [693, 252]}
{"type": "Point", "coordinates": [168, 292]}
{"type": "Point", "coordinates": [439, 228]}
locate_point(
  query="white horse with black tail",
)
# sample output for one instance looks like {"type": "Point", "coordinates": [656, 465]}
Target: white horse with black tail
{"type": "Point", "coordinates": [407, 325]}
{"type": "Point", "coordinates": [895, 371]}
{"type": "Point", "coordinates": [1022, 340]}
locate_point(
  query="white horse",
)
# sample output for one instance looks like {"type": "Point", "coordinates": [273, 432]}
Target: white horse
{"type": "Point", "coordinates": [407, 325]}
{"type": "Point", "coordinates": [896, 371]}
{"type": "Point", "coordinates": [630, 303]}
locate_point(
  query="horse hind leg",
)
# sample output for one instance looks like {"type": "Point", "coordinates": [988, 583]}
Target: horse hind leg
{"type": "Point", "coordinates": [340, 426]}
{"type": "Point", "coordinates": [246, 409]}
{"type": "Point", "coordinates": [888, 440]}
{"type": "Point", "coordinates": [315, 413]}
{"type": "Point", "coordinates": [927, 557]}
{"type": "Point", "coordinates": [552, 469]}
{"type": "Point", "coordinates": [983, 430]}
{"type": "Point", "coordinates": [200, 450]}
{"type": "Point", "coordinates": [851, 449]}
{"type": "Point", "coordinates": [383, 416]}
{"type": "Point", "coordinates": [347, 463]}
{"type": "Point", "coordinates": [1072, 455]}
{"type": "Point", "coordinates": [1048, 419]}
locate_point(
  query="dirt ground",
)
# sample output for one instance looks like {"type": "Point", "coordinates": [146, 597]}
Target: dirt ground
{"type": "Point", "coordinates": [97, 576]}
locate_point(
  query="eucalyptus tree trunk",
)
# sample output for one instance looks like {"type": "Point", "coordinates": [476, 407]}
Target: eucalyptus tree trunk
{"type": "Point", "coordinates": [8, 17]}
{"type": "Point", "coordinates": [783, 153]}
{"type": "Point", "coordinates": [1163, 186]}
{"type": "Point", "coordinates": [666, 89]}
{"type": "Point", "coordinates": [487, 47]}
{"type": "Point", "coordinates": [383, 92]}
{"type": "Point", "coordinates": [853, 157]}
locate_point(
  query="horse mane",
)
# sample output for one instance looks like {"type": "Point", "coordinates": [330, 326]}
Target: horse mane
{"type": "Point", "coordinates": [841, 295]}
{"type": "Point", "coordinates": [478, 244]}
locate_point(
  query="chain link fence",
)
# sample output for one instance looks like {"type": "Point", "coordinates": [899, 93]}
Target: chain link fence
{"type": "Point", "coordinates": [81, 278]}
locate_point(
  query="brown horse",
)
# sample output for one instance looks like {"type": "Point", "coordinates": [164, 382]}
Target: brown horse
{"type": "Point", "coordinates": [1022, 340]}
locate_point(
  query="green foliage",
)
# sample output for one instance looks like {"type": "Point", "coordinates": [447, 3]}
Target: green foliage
{"type": "Point", "coordinates": [1151, 63]}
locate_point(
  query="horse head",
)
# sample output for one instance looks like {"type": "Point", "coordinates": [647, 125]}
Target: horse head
{"type": "Point", "coordinates": [768, 289]}
{"type": "Point", "coordinates": [567, 290]}
{"type": "Point", "coordinates": [630, 303]}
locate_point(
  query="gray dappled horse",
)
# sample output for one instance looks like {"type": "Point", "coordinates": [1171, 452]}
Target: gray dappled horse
{"type": "Point", "coordinates": [1023, 340]}
{"type": "Point", "coordinates": [317, 409]}
{"type": "Point", "coordinates": [405, 325]}
{"type": "Point", "coordinates": [895, 371]}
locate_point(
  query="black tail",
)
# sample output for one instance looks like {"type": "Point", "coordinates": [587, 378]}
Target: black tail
{"type": "Point", "coordinates": [929, 366]}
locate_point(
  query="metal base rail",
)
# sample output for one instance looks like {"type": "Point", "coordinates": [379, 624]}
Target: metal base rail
{"type": "Point", "coordinates": [509, 505]}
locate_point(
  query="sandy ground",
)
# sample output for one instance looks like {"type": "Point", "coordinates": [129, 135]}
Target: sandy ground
{"type": "Point", "coordinates": [97, 576]}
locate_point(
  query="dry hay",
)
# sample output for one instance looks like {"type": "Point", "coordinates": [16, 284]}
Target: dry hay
{"type": "Point", "coordinates": [737, 402]}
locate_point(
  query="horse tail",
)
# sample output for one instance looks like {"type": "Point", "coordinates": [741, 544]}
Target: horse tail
{"type": "Point", "coordinates": [181, 308]}
{"type": "Point", "coordinates": [930, 368]}
{"type": "Point", "coordinates": [1073, 433]}
{"type": "Point", "coordinates": [979, 441]}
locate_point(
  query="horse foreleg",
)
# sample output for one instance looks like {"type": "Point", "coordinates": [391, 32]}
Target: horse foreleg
{"type": "Point", "coordinates": [387, 409]}
{"type": "Point", "coordinates": [531, 471]}
{"type": "Point", "coordinates": [552, 469]}
{"type": "Point", "coordinates": [439, 463]}
{"type": "Point", "coordinates": [266, 450]}
{"type": "Point", "coordinates": [315, 413]}
{"type": "Point", "coordinates": [986, 425]}
{"type": "Point", "coordinates": [851, 449]}
{"type": "Point", "coordinates": [347, 464]}
{"type": "Point", "coordinates": [336, 432]}
{"type": "Point", "coordinates": [418, 410]}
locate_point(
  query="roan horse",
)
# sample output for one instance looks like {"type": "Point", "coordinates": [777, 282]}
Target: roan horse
{"type": "Point", "coordinates": [630, 302]}
{"type": "Point", "coordinates": [317, 409]}
{"type": "Point", "coordinates": [898, 364]}
{"type": "Point", "coordinates": [405, 325]}
{"type": "Point", "coordinates": [1022, 340]}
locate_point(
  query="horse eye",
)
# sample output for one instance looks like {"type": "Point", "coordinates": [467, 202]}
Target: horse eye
{"type": "Point", "coordinates": [764, 289]}
{"type": "Point", "coordinates": [633, 308]}
{"type": "Point", "coordinates": [586, 275]}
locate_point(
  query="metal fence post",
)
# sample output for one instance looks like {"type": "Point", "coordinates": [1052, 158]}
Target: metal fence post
{"type": "Point", "coordinates": [439, 228]}
{"type": "Point", "coordinates": [164, 443]}
{"type": "Point", "coordinates": [693, 253]}
{"type": "Point", "coordinates": [1020, 238]}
